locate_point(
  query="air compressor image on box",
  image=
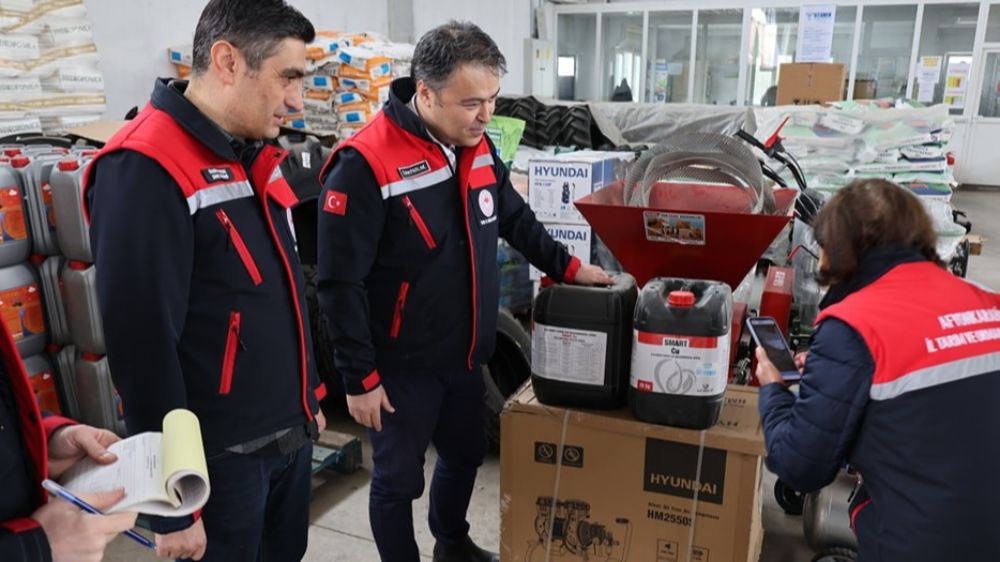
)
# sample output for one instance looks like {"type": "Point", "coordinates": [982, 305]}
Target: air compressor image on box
{"type": "Point", "coordinates": [565, 529]}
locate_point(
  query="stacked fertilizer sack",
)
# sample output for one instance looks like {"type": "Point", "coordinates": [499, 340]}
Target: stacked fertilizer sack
{"type": "Point", "coordinates": [49, 78]}
{"type": "Point", "coordinates": [858, 140]}
{"type": "Point", "coordinates": [853, 140]}
{"type": "Point", "coordinates": [348, 81]}
{"type": "Point", "coordinates": [180, 57]}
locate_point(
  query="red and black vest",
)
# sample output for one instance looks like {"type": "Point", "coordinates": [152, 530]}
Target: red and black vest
{"type": "Point", "coordinates": [924, 328]}
{"type": "Point", "coordinates": [416, 287]}
{"type": "Point", "coordinates": [245, 351]}
{"type": "Point", "coordinates": [417, 176]}
{"type": "Point", "coordinates": [927, 446]}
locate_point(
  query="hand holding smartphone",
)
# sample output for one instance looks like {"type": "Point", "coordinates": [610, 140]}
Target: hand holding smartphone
{"type": "Point", "coordinates": [767, 335]}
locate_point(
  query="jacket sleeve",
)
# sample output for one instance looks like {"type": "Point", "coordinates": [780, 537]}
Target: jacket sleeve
{"type": "Point", "coordinates": [50, 423]}
{"type": "Point", "coordinates": [319, 390]}
{"type": "Point", "coordinates": [23, 540]}
{"type": "Point", "coordinates": [315, 384]}
{"type": "Point", "coordinates": [810, 437]}
{"type": "Point", "coordinates": [348, 240]}
{"type": "Point", "coordinates": [526, 234]}
{"type": "Point", "coordinates": [143, 241]}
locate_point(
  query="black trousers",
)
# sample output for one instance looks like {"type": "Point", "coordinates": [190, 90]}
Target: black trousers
{"type": "Point", "coordinates": [445, 409]}
{"type": "Point", "coordinates": [259, 506]}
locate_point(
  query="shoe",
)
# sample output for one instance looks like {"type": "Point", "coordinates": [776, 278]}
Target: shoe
{"type": "Point", "coordinates": [463, 551]}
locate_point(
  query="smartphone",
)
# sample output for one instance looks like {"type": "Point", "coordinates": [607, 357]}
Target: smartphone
{"type": "Point", "coordinates": [766, 334]}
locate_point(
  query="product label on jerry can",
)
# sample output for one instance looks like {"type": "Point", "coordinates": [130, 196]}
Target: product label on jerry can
{"type": "Point", "coordinates": [21, 311]}
{"type": "Point", "coordinates": [12, 224]}
{"type": "Point", "coordinates": [568, 355]}
{"type": "Point", "coordinates": [44, 386]}
{"type": "Point", "coordinates": [682, 365]}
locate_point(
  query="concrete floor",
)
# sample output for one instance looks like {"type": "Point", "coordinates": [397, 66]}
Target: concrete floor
{"type": "Point", "coordinates": [982, 205]}
{"type": "Point", "coordinates": [339, 512]}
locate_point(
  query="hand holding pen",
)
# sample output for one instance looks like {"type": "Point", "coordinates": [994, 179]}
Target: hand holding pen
{"type": "Point", "coordinates": [74, 532]}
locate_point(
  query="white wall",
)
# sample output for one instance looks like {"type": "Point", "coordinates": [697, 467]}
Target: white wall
{"type": "Point", "coordinates": [507, 21]}
{"type": "Point", "coordinates": [132, 38]}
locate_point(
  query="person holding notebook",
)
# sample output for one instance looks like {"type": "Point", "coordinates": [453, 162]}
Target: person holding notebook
{"type": "Point", "coordinates": [33, 447]}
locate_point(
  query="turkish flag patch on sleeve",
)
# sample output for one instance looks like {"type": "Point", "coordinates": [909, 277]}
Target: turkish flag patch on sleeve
{"type": "Point", "coordinates": [336, 202]}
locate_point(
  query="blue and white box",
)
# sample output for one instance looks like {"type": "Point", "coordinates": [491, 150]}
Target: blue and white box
{"type": "Point", "coordinates": [556, 182]}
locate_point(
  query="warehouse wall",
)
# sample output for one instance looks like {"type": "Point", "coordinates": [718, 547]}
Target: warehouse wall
{"type": "Point", "coordinates": [132, 38]}
{"type": "Point", "coordinates": [508, 22]}
{"type": "Point", "coordinates": [576, 37]}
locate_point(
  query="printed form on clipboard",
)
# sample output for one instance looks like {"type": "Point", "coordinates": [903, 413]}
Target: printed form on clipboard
{"type": "Point", "coordinates": [163, 474]}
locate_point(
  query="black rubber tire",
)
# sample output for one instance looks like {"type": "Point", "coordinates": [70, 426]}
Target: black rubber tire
{"type": "Point", "coordinates": [836, 555]}
{"type": "Point", "coordinates": [788, 498]}
{"type": "Point", "coordinates": [505, 372]}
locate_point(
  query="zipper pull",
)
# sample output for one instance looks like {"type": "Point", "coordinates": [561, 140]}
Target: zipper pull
{"type": "Point", "coordinates": [234, 328]}
{"type": "Point", "coordinates": [239, 339]}
{"type": "Point", "coordinates": [228, 225]}
{"type": "Point", "coordinates": [409, 207]}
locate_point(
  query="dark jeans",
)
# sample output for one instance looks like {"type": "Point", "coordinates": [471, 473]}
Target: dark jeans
{"type": "Point", "coordinates": [259, 507]}
{"type": "Point", "coordinates": [445, 409]}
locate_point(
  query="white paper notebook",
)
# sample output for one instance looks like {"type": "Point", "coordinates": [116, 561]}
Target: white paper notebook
{"type": "Point", "coordinates": [162, 473]}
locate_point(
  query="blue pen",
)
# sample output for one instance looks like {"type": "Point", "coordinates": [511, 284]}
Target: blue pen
{"type": "Point", "coordinates": [57, 490]}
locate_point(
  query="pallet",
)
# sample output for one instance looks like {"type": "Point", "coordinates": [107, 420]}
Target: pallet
{"type": "Point", "coordinates": [340, 452]}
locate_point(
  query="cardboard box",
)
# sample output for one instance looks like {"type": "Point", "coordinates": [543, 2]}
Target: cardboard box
{"type": "Point", "coordinates": [602, 482]}
{"type": "Point", "coordinates": [810, 83]}
{"type": "Point", "coordinates": [865, 88]}
{"type": "Point", "coordinates": [97, 131]}
{"type": "Point", "coordinates": [555, 182]}
{"type": "Point", "coordinates": [976, 242]}
{"type": "Point", "coordinates": [578, 239]}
